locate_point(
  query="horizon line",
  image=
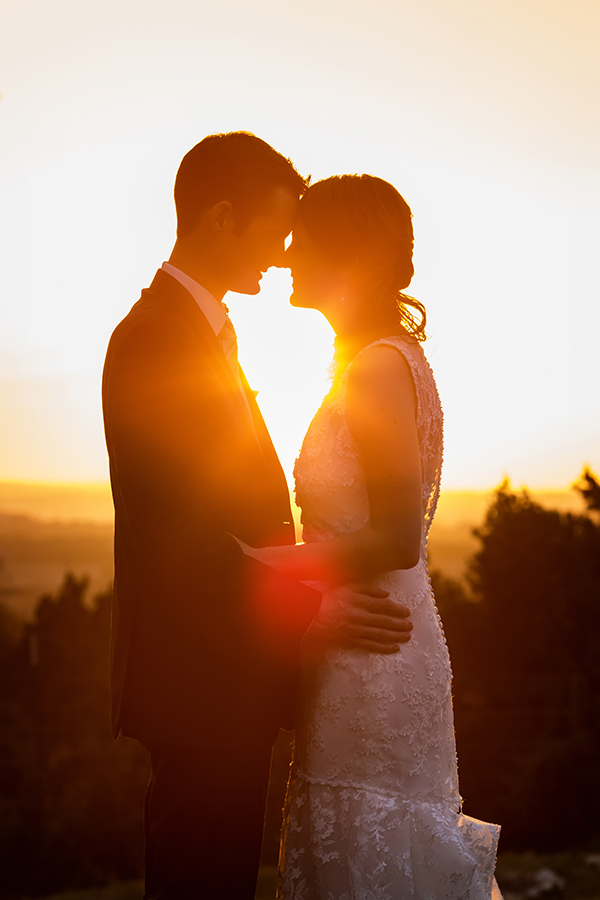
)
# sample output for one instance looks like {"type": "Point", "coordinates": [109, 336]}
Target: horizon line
{"type": "Point", "coordinates": [105, 485]}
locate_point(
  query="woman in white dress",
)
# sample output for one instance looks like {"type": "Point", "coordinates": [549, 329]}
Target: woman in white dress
{"type": "Point", "coordinates": [373, 810]}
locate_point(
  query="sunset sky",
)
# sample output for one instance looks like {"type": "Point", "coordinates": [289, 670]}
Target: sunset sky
{"type": "Point", "coordinates": [485, 114]}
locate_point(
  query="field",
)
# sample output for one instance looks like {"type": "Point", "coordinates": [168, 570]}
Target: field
{"type": "Point", "coordinates": [42, 536]}
{"type": "Point", "coordinates": [521, 876]}
{"type": "Point", "coordinates": [35, 554]}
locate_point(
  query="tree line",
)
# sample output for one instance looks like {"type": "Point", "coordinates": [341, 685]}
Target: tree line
{"type": "Point", "coordinates": [522, 631]}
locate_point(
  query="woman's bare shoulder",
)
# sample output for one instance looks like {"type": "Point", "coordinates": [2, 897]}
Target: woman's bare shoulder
{"type": "Point", "coordinates": [379, 364]}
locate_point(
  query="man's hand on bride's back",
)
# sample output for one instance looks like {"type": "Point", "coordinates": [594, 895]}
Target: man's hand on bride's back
{"type": "Point", "coordinates": [363, 617]}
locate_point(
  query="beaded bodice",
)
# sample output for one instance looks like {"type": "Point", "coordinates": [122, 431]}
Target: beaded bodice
{"type": "Point", "coordinates": [330, 483]}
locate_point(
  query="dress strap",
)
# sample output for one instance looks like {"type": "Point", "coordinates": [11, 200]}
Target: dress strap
{"type": "Point", "coordinates": [414, 356]}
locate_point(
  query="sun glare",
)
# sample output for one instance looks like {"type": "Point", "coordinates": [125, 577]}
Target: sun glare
{"type": "Point", "coordinates": [498, 169]}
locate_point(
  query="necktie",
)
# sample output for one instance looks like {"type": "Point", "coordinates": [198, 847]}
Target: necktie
{"type": "Point", "coordinates": [228, 339]}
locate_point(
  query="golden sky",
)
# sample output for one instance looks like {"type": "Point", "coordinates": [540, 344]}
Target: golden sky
{"type": "Point", "coordinates": [484, 114]}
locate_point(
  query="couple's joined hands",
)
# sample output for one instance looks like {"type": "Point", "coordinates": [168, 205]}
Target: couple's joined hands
{"type": "Point", "coordinates": [360, 616]}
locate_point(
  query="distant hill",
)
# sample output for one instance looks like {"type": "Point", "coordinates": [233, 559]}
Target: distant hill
{"type": "Point", "coordinates": [35, 554]}
{"type": "Point", "coordinates": [47, 530]}
{"type": "Point", "coordinates": [57, 502]}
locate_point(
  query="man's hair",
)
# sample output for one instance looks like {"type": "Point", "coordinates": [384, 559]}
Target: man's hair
{"type": "Point", "coordinates": [238, 167]}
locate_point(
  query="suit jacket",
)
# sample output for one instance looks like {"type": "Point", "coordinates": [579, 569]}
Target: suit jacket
{"type": "Point", "coordinates": [205, 641]}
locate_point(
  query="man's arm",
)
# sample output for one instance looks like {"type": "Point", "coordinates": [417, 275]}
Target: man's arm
{"type": "Point", "coordinates": [158, 412]}
{"type": "Point", "coordinates": [361, 616]}
{"type": "Point", "coordinates": [160, 401]}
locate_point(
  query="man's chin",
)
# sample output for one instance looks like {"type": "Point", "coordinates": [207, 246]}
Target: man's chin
{"type": "Point", "coordinates": [247, 288]}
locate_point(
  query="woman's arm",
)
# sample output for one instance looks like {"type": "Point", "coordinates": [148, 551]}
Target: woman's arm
{"type": "Point", "coordinates": [381, 414]}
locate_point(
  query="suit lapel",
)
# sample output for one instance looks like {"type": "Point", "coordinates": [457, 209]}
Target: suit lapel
{"type": "Point", "coordinates": [262, 435]}
{"type": "Point", "coordinates": [181, 298]}
{"type": "Point", "coordinates": [247, 406]}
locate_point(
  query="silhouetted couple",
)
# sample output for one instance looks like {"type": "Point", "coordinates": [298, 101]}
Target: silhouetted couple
{"type": "Point", "coordinates": [224, 629]}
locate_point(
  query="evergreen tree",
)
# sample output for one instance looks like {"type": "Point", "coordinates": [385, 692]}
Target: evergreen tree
{"type": "Point", "coordinates": [589, 488]}
{"type": "Point", "coordinates": [527, 672]}
{"type": "Point", "coordinates": [70, 805]}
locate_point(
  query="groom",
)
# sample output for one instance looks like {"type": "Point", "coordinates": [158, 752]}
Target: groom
{"type": "Point", "coordinates": [205, 641]}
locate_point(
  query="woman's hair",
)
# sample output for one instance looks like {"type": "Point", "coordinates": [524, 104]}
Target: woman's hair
{"type": "Point", "coordinates": [359, 215]}
{"type": "Point", "coordinates": [238, 167]}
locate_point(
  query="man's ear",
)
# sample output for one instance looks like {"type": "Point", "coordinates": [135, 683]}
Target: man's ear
{"type": "Point", "coordinates": [220, 216]}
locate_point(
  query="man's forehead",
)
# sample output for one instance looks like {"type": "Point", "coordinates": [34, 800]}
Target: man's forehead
{"type": "Point", "coordinates": [280, 203]}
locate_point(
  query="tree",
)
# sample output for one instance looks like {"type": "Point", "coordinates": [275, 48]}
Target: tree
{"type": "Point", "coordinates": [70, 804]}
{"type": "Point", "coordinates": [527, 671]}
{"type": "Point", "coordinates": [589, 488]}
{"type": "Point", "coordinates": [70, 796]}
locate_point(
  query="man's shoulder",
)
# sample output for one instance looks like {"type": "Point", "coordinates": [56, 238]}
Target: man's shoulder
{"type": "Point", "coordinates": [144, 326]}
{"type": "Point", "coordinates": [156, 306]}
{"type": "Point", "coordinates": [164, 316]}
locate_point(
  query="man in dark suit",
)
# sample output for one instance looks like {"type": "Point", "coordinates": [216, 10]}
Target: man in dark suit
{"type": "Point", "coordinates": [205, 641]}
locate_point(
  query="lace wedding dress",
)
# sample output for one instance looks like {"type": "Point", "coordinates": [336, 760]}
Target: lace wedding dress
{"type": "Point", "coordinates": [373, 808]}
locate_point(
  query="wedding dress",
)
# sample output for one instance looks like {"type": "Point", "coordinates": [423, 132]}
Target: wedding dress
{"type": "Point", "coordinates": [373, 810]}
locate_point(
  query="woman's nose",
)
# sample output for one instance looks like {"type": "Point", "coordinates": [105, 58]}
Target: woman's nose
{"type": "Point", "coordinates": [280, 260]}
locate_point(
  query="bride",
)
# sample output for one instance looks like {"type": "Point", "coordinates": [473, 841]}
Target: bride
{"type": "Point", "coordinates": [373, 810]}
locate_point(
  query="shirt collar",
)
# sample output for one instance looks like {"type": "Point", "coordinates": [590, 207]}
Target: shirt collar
{"type": "Point", "coordinates": [210, 306]}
